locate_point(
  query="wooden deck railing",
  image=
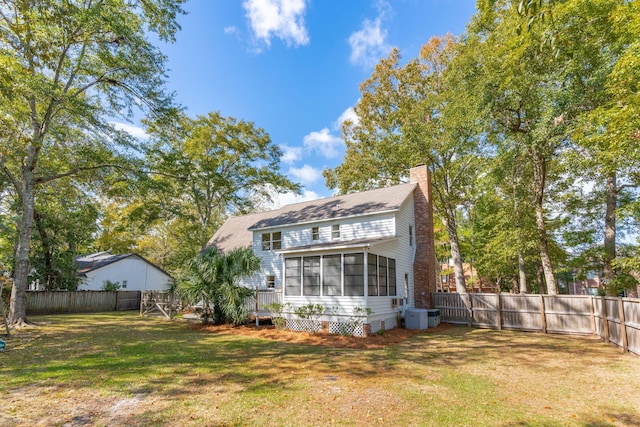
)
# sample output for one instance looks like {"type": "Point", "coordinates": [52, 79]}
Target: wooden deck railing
{"type": "Point", "coordinates": [262, 298]}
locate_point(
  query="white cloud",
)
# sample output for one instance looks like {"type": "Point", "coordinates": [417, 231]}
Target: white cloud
{"type": "Point", "coordinates": [135, 131]}
{"type": "Point", "coordinates": [279, 18]}
{"type": "Point", "coordinates": [330, 146]}
{"type": "Point", "coordinates": [290, 154]}
{"type": "Point", "coordinates": [348, 114]}
{"type": "Point", "coordinates": [369, 44]}
{"type": "Point", "coordinates": [306, 174]}
{"type": "Point", "coordinates": [231, 30]}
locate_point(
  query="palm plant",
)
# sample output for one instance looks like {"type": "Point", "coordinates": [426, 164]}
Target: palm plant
{"type": "Point", "coordinates": [213, 279]}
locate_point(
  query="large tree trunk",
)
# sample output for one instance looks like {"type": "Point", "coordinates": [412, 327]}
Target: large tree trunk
{"type": "Point", "coordinates": [47, 250]}
{"type": "Point", "coordinates": [522, 274]}
{"type": "Point", "coordinates": [458, 270]}
{"type": "Point", "coordinates": [610, 230]}
{"type": "Point", "coordinates": [540, 279]}
{"type": "Point", "coordinates": [540, 176]}
{"type": "Point", "coordinates": [18, 307]}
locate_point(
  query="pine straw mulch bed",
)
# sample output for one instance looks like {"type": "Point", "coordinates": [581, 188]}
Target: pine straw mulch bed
{"type": "Point", "coordinates": [390, 337]}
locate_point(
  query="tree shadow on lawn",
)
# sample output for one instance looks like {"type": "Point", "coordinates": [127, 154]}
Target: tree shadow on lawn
{"type": "Point", "coordinates": [461, 346]}
{"type": "Point", "coordinates": [147, 341]}
{"type": "Point", "coordinates": [119, 349]}
{"type": "Point", "coordinates": [143, 354]}
{"type": "Point", "coordinates": [126, 354]}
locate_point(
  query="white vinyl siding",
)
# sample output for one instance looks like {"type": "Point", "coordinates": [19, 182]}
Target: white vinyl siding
{"type": "Point", "coordinates": [137, 274]}
{"type": "Point", "coordinates": [393, 224]}
{"type": "Point", "coordinates": [369, 227]}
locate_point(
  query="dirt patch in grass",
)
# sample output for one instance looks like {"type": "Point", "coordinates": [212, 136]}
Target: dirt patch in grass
{"type": "Point", "coordinates": [389, 337]}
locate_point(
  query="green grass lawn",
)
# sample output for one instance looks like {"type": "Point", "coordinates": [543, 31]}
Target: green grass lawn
{"type": "Point", "coordinates": [121, 369]}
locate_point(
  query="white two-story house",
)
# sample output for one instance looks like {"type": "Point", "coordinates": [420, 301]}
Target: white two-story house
{"type": "Point", "coordinates": [364, 257]}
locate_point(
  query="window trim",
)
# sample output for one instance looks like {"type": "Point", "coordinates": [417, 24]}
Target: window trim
{"type": "Point", "coordinates": [315, 234]}
{"type": "Point", "coordinates": [276, 243]}
{"type": "Point", "coordinates": [335, 231]}
{"type": "Point", "coordinates": [266, 241]}
{"type": "Point", "coordinates": [269, 241]}
{"type": "Point", "coordinates": [270, 280]}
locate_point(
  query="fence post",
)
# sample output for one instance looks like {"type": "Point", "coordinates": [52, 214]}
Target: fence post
{"type": "Point", "coordinates": [498, 311]}
{"type": "Point", "coordinates": [543, 314]}
{"type": "Point", "coordinates": [469, 307]}
{"type": "Point", "coordinates": [170, 304]}
{"type": "Point", "coordinates": [623, 327]}
{"type": "Point", "coordinates": [593, 316]}
{"type": "Point", "coordinates": [605, 321]}
{"type": "Point", "coordinates": [115, 306]}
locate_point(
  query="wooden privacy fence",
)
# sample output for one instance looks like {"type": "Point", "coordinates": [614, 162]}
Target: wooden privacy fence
{"type": "Point", "coordinates": [614, 319]}
{"type": "Point", "coordinates": [52, 302]}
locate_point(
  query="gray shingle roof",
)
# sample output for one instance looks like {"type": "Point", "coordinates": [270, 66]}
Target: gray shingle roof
{"type": "Point", "coordinates": [237, 231]}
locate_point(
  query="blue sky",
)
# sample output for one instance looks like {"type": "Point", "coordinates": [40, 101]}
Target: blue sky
{"type": "Point", "coordinates": [293, 67]}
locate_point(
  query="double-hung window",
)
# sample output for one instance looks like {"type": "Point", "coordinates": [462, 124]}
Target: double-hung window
{"type": "Point", "coordinates": [410, 235]}
{"type": "Point", "coordinates": [335, 231]}
{"type": "Point", "coordinates": [272, 241]}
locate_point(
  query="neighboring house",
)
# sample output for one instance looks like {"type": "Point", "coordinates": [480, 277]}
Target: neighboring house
{"type": "Point", "coordinates": [130, 271]}
{"type": "Point", "coordinates": [366, 253]}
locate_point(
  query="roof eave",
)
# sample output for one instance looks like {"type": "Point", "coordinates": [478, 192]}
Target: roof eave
{"type": "Point", "coordinates": [346, 245]}
{"type": "Point", "coordinates": [316, 221]}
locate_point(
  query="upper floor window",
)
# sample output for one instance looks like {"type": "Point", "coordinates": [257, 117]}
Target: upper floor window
{"type": "Point", "coordinates": [411, 235]}
{"type": "Point", "coordinates": [335, 231]}
{"type": "Point", "coordinates": [271, 241]}
{"type": "Point", "coordinates": [276, 240]}
{"type": "Point", "coordinates": [315, 233]}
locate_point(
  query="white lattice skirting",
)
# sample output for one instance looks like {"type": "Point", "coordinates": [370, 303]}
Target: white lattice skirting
{"type": "Point", "coordinates": [313, 326]}
{"type": "Point", "coordinates": [346, 328]}
{"type": "Point", "coordinates": [304, 325]}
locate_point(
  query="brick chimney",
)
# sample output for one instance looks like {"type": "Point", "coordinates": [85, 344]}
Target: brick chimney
{"type": "Point", "coordinates": [424, 264]}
